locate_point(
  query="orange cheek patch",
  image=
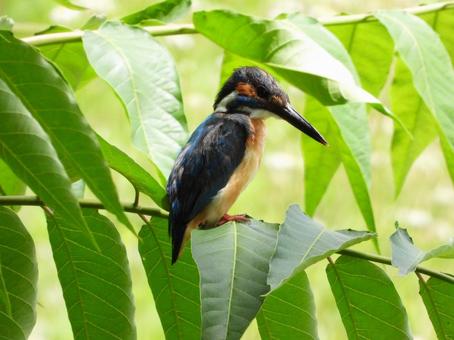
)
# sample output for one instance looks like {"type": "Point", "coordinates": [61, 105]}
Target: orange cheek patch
{"type": "Point", "coordinates": [246, 90]}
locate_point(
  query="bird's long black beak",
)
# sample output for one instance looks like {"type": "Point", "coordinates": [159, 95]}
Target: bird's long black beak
{"type": "Point", "coordinates": [293, 117]}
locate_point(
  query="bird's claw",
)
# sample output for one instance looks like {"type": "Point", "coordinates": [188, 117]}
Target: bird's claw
{"type": "Point", "coordinates": [233, 218]}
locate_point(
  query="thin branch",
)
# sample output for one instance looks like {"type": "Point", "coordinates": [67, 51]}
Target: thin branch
{"type": "Point", "coordinates": [173, 29]}
{"type": "Point", "coordinates": [91, 204]}
{"type": "Point", "coordinates": [387, 261]}
{"type": "Point", "coordinates": [142, 212]}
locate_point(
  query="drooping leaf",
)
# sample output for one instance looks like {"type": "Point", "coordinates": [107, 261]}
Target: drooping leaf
{"type": "Point", "coordinates": [94, 22]}
{"type": "Point", "coordinates": [286, 50]}
{"type": "Point", "coordinates": [433, 75]}
{"type": "Point", "coordinates": [289, 312]}
{"type": "Point", "coordinates": [9, 183]}
{"type": "Point", "coordinates": [18, 278]}
{"type": "Point", "coordinates": [71, 5]}
{"type": "Point", "coordinates": [70, 58]}
{"type": "Point", "coordinates": [6, 23]}
{"type": "Point", "coordinates": [96, 284]}
{"type": "Point", "coordinates": [410, 108]}
{"type": "Point", "coordinates": [372, 63]}
{"type": "Point", "coordinates": [175, 287]}
{"type": "Point", "coordinates": [139, 177]}
{"type": "Point", "coordinates": [406, 256]}
{"type": "Point", "coordinates": [346, 125]}
{"type": "Point", "coordinates": [438, 297]}
{"type": "Point", "coordinates": [233, 262]}
{"type": "Point", "coordinates": [26, 149]}
{"type": "Point", "coordinates": [41, 90]}
{"type": "Point", "coordinates": [143, 74]}
{"type": "Point", "coordinates": [302, 242]}
{"type": "Point", "coordinates": [164, 11]}
{"type": "Point", "coordinates": [368, 303]}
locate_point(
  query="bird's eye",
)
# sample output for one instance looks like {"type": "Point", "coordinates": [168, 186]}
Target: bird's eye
{"type": "Point", "coordinates": [261, 91]}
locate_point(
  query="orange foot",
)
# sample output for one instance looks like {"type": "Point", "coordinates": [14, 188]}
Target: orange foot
{"type": "Point", "coordinates": [233, 218]}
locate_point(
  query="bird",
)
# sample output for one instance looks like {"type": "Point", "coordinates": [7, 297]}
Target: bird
{"type": "Point", "coordinates": [224, 152]}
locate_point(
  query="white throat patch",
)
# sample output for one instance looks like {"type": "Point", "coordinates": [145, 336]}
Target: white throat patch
{"type": "Point", "coordinates": [254, 113]}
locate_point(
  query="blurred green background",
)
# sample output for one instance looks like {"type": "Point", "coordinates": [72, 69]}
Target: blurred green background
{"type": "Point", "coordinates": [425, 205]}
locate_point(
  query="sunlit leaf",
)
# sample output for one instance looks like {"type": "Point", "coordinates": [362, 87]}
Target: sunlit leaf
{"type": "Point", "coordinates": [6, 23]}
{"type": "Point", "coordinates": [302, 241]}
{"type": "Point", "coordinates": [438, 297]}
{"type": "Point", "coordinates": [40, 89]}
{"type": "Point", "coordinates": [433, 75]}
{"type": "Point", "coordinates": [289, 312]}
{"type": "Point", "coordinates": [233, 262]}
{"type": "Point", "coordinates": [406, 256]}
{"type": "Point", "coordinates": [368, 303]}
{"type": "Point", "coordinates": [288, 51]}
{"type": "Point", "coordinates": [71, 5]}
{"type": "Point", "coordinates": [96, 284]}
{"type": "Point", "coordinates": [70, 58]}
{"type": "Point", "coordinates": [164, 11]}
{"type": "Point", "coordinates": [175, 287]}
{"type": "Point", "coordinates": [138, 176]}
{"type": "Point", "coordinates": [345, 125]}
{"type": "Point", "coordinates": [143, 74]}
{"type": "Point", "coordinates": [18, 278]}
{"type": "Point", "coordinates": [9, 183]}
{"type": "Point", "coordinates": [26, 149]}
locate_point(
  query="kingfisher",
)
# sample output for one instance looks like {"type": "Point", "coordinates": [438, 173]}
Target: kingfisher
{"type": "Point", "coordinates": [224, 152]}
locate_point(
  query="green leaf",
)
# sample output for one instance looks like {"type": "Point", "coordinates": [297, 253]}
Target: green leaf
{"type": "Point", "coordinates": [143, 75]}
{"type": "Point", "coordinates": [302, 242]}
{"type": "Point", "coordinates": [164, 11]}
{"type": "Point", "coordinates": [346, 125]}
{"type": "Point", "coordinates": [289, 311]}
{"type": "Point", "coordinates": [71, 5]}
{"type": "Point", "coordinates": [26, 149]}
{"type": "Point", "coordinates": [372, 63]}
{"type": "Point", "coordinates": [6, 23]}
{"type": "Point", "coordinates": [288, 51]}
{"type": "Point", "coordinates": [134, 173]}
{"type": "Point", "coordinates": [426, 57]}
{"type": "Point", "coordinates": [96, 284]}
{"type": "Point", "coordinates": [410, 108]}
{"type": "Point", "coordinates": [233, 262]}
{"type": "Point", "coordinates": [175, 288]}
{"type": "Point", "coordinates": [406, 256]}
{"type": "Point", "coordinates": [9, 183]}
{"type": "Point", "coordinates": [368, 303]}
{"type": "Point", "coordinates": [18, 278]}
{"type": "Point", "coordinates": [70, 58]}
{"type": "Point", "coordinates": [40, 88]}
{"type": "Point", "coordinates": [438, 297]}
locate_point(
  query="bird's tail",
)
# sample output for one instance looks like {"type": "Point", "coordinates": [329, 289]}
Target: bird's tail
{"type": "Point", "coordinates": [180, 236]}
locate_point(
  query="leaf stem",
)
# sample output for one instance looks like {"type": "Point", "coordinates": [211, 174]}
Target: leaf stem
{"type": "Point", "coordinates": [176, 29]}
{"type": "Point", "coordinates": [144, 211]}
{"type": "Point", "coordinates": [91, 204]}
{"type": "Point", "coordinates": [387, 261]}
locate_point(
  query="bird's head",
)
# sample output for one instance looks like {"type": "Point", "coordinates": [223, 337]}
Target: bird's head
{"type": "Point", "coordinates": [254, 92]}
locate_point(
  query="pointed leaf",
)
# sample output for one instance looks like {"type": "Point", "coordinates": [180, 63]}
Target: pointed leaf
{"type": "Point", "coordinates": [410, 108]}
{"type": "Point", "coordinates": [426, 57]}
{"type": "Point", "coordinates": [164, 11]}
{"type": "Point", "coordinates": [406, 256]}
{"type": "Point", "coordinates": [368, 303]}
{"type": "Point", "coordinates": [302, 242]}
{"type": "Point", "coordinates": [175, 287]}
{"type": "Point", "coordinates": [347, 126]}
{"type": "Point", "coordinates": [41, 89]}
{"type": "Point", "coordinates": [96, 284]}
{"type": "Point", "coordinates": [71, 5]}
{"type": "Point", "coordinates": [288, 51]}
{"type": "Point", "coordinates": [70, 58]}
{"type": "Point", "coordinates": [18, 278]}
{"type": "Point", "coordinates": [143, 75]}
{"type": "Point", "coordinates": [233, 262]}
{"type": "Point", "coordinates": [438, 297]}
{"type": "Point", "coordinates": [134, 173]}
{"type": "Point", "coordinates": [289, 311]}
{"type": "Point", "coordinates": [26, 149]}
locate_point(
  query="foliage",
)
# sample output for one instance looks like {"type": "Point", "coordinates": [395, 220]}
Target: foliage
{"type": "Point", "coordinates": [239, 271]}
